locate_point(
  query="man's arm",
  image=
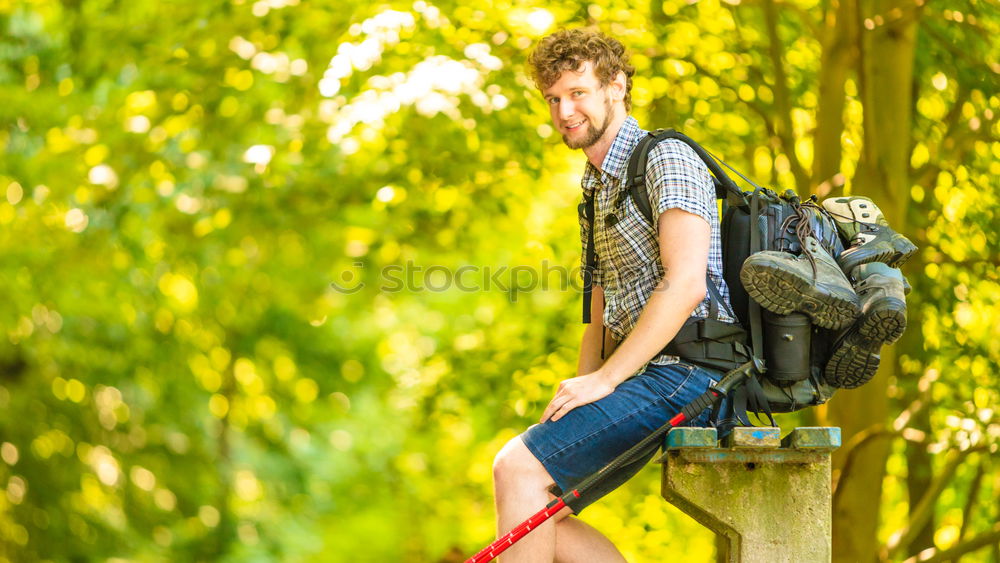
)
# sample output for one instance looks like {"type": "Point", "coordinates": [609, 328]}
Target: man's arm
{"type": "Point", "coordinates": [590, 344]}
{"type": "Point", "coordinates": [684, 242]}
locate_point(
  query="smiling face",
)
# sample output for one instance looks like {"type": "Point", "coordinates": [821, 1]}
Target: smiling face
{"type": "Point", "coordinates": [581, 108]}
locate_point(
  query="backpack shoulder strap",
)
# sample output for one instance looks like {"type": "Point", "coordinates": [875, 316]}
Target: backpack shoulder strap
{"type": "Point", "coordinates": [637, 175]}
{"type": "Point", "coordinates": [586, 212]}
{"type": "Point", "coordinates": [724, 185]}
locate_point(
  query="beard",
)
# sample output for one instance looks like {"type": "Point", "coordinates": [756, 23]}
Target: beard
{"type": "Point", "coordinates": [593, 134]}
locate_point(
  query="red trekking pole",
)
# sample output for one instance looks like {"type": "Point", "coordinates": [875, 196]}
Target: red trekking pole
{"type": "Point", "coordinates": [707, 399]}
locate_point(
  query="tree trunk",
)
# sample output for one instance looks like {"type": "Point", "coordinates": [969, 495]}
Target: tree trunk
{"type": "Point", "coordinates": [782, 98]}
{"type": "Point", "coordinates": [856, 501]}
{"type": "Point", "coordinates": [839, 56]}
{"type": "Point", "coordinates": [887, 40]}
{"type": "Point", "coordinates": [919, 474]}
{"type": "Point", "coordinates": [919, 466]}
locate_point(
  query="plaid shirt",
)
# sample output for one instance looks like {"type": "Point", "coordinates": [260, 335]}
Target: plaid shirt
{"type": "Point", "coordinates": [628, 263]}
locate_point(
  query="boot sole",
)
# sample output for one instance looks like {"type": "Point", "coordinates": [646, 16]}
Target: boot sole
{"type": "Point", "coordinates": [854, 361]}
{"type": "Point", "coordinates": [893, 253]}
{"type": "Point", "coordinates": [783, 292]}
{"type": "Point", "coordinates": [885, 321]}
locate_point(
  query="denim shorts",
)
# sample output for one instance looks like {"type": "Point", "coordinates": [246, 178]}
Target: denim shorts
{"type": "Point", "coordinates": [590, 436]}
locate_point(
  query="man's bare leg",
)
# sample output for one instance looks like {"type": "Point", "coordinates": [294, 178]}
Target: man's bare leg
{"type": "Point", "coordinates": [521, 484]}
{"type": "Point", "coordinates": [579, 542]}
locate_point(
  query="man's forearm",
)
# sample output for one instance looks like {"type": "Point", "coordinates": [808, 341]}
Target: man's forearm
{"type": "Point", "coordinates": [590, 349]}
{"type": "Point", "coordinates": [664, 314]}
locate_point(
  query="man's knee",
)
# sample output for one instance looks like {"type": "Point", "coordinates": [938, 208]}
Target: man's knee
{"type": "Point", "coordinates": [516, 462]}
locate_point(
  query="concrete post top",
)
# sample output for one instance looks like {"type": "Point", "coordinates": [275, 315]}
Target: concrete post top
{"type": "Point", "coordinates": [690, 437]}
{"type": "Point", "coordinates": [800, 444]}
{"type": "Point", "coordinates": [753, 437]}
{"type": "Point", "coordinates": [813, 438]}
{"type": "Point", "coordinates": [801, 438]}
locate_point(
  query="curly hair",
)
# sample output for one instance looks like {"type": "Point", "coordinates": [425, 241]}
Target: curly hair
{"type": "Point", "coordinates": [568, 49]}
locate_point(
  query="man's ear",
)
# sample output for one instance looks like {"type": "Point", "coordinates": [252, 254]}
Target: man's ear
{"type": "Point", "coordinates": [618, 85]}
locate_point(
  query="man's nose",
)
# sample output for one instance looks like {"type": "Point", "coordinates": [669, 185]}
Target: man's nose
{"type": "Point", "coordinates": [566, 109]}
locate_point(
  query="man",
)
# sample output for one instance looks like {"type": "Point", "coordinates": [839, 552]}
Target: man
{"type": "Point", "coordinates": [648, 280]}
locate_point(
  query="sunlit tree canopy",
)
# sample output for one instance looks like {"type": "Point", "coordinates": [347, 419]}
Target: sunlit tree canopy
{"type": "Point", "coordinates": [280, 278]}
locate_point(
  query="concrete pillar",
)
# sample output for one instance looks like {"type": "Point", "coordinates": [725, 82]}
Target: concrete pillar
{"type": "Point", "coordinates": [768, 499]}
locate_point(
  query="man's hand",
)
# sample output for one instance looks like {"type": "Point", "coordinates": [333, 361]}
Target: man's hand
{"type": "Point", "coordinates": [575, 392]}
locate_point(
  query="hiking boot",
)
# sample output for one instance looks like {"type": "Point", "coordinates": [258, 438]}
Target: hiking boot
{"type": "Point", "coordinates": [883, 293]}
{"type": "Point", "coordinates": [867, 233]}
{"type": "Point", "coordinates": [855, 357]}
{"type": "Point", "coordinates": [782, 282]}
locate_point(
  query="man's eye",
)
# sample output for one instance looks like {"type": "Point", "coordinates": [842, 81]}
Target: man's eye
{"type": "Point", "coordinates": [553, 101]}
{"type": "Point", "coordinates": [577, 94]}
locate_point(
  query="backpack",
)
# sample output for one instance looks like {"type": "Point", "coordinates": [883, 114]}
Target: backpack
{"type": "Point", "coordinates": [793, 351]}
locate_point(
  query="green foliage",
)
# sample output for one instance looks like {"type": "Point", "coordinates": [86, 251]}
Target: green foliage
{"type": "Point", "coordinates": [182, 182]}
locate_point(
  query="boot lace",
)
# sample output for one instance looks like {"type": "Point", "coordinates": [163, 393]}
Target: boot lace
{"type": "Point", "coordinates": [801, 219]}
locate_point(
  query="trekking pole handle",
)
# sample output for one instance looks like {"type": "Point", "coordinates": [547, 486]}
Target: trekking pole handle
{"type": "Point", "coordinates": [695, 407]}
{"type": "Point", "coordinates": [735, 377]}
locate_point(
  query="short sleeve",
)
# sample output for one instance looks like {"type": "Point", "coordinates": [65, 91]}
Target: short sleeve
{"type": "Point", "coordinates": [679, 179]}
{"type": "Point", "coordinates": [598, 272]}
